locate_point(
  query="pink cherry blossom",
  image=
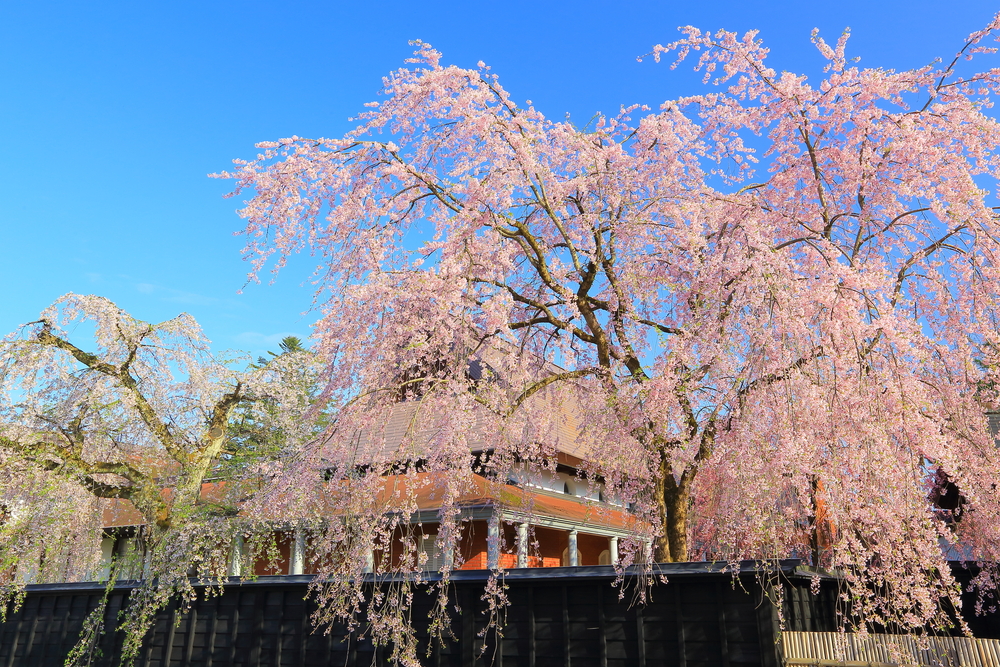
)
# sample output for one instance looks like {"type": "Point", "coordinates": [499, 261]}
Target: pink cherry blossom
{"type": "Point", "coordinates": [770, 308]}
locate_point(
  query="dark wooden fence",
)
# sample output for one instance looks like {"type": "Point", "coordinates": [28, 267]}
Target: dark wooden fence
{"type": "Point", "coordinates": [557, 616]}
{"type": "Point", "coordinates": [570, 617]}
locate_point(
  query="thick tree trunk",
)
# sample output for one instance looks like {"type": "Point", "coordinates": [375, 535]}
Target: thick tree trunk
{"type": "Point", "coordinates": [672, 498]}
{"type": "Point", "coordinates": [821, 533]}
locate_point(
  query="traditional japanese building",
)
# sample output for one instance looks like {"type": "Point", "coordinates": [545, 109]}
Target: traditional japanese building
{"type": "Point", "coordinates": [526, 518]}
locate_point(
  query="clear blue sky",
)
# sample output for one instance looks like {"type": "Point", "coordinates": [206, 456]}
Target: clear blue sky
{"type": "Point", "coordinates": [113, 113]}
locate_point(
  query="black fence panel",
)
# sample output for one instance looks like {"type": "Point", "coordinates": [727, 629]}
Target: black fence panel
{"type": "Point", "coordinates": [568, 617]}
{"type": "Point", "coordinates": [822, 606]}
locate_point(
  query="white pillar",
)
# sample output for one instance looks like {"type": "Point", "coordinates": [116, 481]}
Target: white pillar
{"type": "Point", "coordinates": [448, 556]}
{"type": "Point", "coordinates": [613, 548]}
{"type": "Point", "coordinates": [574, 554]}
{"type": "Point", "coordinates": [236, 561]}
{"type": "Point", "coordinates": [107, 555]}
{"type": "Point", "coordinates": [369, 561]}
{"type": "Point", "coordinates": [493, 544]}
{"type": "Point", "coordinates": [298, 556]}
{"type": "Point", "coordinates": [522, 544]}
{"type": "Point", "coordinates": [28, 573]}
